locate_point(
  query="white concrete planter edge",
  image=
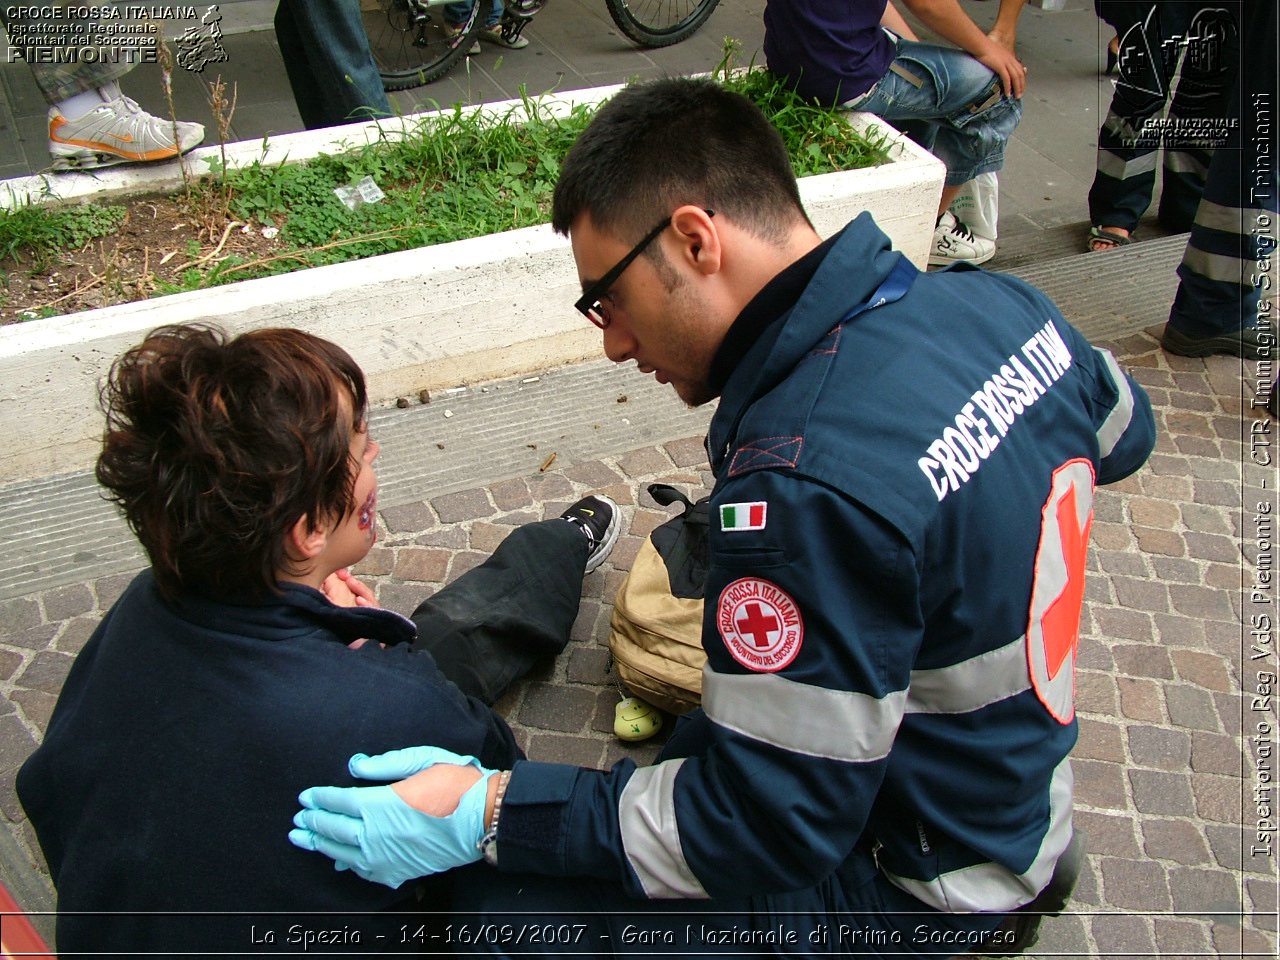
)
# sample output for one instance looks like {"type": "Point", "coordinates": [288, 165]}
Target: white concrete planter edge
{"type": "Point", "coordinates": [462, 312]}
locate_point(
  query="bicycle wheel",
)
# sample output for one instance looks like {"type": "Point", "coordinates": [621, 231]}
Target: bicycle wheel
{"type": "Point", "coordinates": [411, 41]}
{"type": "Point", "coordinates": [659, 23]}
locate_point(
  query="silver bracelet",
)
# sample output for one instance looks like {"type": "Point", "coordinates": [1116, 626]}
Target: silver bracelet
{"type": "Point", "coordinates": [503, 779]}
{"type": "Point", "coordinates": [489, 842]}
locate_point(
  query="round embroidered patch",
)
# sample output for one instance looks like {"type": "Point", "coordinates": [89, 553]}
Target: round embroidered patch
{"type": "Point", "coordinates": [760, 624]}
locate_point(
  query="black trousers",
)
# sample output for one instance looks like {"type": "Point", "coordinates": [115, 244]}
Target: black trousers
{"type": "Point", "coordinates": [488, 627]}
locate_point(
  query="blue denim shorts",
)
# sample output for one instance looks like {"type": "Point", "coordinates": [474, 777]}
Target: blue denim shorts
{"type": "Point", "coordinates": [949, 103]}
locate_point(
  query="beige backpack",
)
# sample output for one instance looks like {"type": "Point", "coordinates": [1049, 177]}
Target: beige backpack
{"type": "Point", "coordinates": [656, 631]}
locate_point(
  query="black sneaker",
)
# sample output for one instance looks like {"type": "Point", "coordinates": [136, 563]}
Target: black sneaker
{"type": "Point", "coordinates": [601, 520]}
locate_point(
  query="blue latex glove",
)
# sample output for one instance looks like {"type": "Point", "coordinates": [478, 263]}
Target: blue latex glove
{"type": "Point", "coordinates": [375, 833]}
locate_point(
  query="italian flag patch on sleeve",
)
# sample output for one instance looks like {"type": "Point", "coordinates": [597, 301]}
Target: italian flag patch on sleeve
{"type": "Point", "coordinates": [743, 516]}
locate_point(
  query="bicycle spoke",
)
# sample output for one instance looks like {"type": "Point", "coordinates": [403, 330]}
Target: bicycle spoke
{"type": "Point", "coordinates": [656, 23]}
{"type": "Point", "coordinates": [412, 41]}
{"type": "Point", "coordinates": [661, 14]}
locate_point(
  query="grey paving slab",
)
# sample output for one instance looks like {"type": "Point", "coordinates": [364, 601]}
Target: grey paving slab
{"type": "Point", "coordinates": [267, 118]}
{"type": "Point", "coordinates": [11, 151]}
{"type": "Point", "coordinates": [21, 90]}
{"type": "Point", "coordinates": [471, 82]}
{"type": "Point", "coordinates": [33, 137]}
{"type": "Point", "coordinates": [22, 117]}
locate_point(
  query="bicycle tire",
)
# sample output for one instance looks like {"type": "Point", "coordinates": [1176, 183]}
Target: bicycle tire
{"type": "Point", "coordinates": [659, 23]}
{"type": "Point", "coordinates": [409, 41]}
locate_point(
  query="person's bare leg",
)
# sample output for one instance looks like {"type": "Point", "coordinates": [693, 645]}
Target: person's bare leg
{"type": "Point", "coordinates": [948, 194]}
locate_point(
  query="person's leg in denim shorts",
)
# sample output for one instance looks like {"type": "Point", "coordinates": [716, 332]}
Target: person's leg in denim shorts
{"type": "Point", "coordinates": [968, 118]}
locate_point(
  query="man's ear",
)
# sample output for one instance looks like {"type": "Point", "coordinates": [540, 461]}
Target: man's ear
{"type": "Point", "coordinates": [304, 541]}
{"type": "Point", "coordinates": [698, 237]}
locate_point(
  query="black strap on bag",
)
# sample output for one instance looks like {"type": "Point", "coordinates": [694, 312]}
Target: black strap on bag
{"type": "Point", "coordinates": [682, 541]}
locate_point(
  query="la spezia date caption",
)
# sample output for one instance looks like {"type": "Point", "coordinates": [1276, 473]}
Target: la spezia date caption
{"type": "Point", "coordinates": [307, 936]}
{"type": "Point", "coordinates": [568, 934]}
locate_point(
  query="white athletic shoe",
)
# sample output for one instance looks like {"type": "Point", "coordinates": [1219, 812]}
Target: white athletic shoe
{"type": "Point", "coordinates": [953, 242]}
{"type": "Point", "coordinates": [118, 131]}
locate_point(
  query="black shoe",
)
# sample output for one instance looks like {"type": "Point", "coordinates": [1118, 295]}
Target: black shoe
{"type": "Point", "coordinates": [601, 520]}
{"type": "Point", "coordinates": [1246, 343]}
{"type": "Point", "coordinates": [1273, 402]}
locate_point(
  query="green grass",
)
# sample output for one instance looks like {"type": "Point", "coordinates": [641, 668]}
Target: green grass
{"type": "Point", "coordinates": [37, 233]}
{"type": "Point", "coordinates": [461, 175]}
{"type": "Point", "coordinates": [818, 139]}
{"type": "Point", "coordinates": [458, 175]}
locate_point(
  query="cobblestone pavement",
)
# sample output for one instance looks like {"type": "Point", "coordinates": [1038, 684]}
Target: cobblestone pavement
{"type": "Point", "coordinates": [1174, 769]}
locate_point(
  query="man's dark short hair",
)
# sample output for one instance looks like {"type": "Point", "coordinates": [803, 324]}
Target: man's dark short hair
{"type": "Point", "coordinates": [215, 448]}
{"type": "Point", "coordinates": [656, 146]}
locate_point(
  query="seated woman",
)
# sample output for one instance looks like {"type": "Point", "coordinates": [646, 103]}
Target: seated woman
{"type": "Point", "coordinates": [247, 664]}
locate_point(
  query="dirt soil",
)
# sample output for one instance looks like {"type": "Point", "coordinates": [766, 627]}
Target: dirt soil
{"type": "Point", "coordinates": [160, 239]}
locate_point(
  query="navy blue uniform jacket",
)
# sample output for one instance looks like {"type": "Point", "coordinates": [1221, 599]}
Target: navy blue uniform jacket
{"type": "Point", "coordinates": [897, 563]}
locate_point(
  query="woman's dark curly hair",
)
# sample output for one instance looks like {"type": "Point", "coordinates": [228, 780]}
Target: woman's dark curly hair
{"type": "Point", "coordinates": [215, 448]}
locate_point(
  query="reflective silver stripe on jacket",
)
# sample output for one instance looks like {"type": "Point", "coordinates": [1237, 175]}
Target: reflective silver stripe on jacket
{"type": "Point", "coordinates": [972, 684]}
{"type": "Point", "coordinates": [991, 888]}
{"type": "Point", "coordinates": [856, 727]}
{"type": "Point", "coordinates": [651, 836]}
{"type": "Point", "coordinates": [801, 718]}
{"type": "Point", "coordinates": [1117, 422]}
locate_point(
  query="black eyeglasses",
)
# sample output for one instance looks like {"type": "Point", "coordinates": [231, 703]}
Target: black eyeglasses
{"type": "Point", "coordinates": [589, 304]}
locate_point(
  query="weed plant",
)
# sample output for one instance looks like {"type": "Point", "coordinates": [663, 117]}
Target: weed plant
{"type": "Point", "coordinates": [457, 175]}
{"type": "Point", "coordinates": [38, 233]}
{"type": "Point", "coordinates": [818, 139]}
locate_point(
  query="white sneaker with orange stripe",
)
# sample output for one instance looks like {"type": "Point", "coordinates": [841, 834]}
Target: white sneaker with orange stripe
{"type": "Point", "coordinates": [118, 131]}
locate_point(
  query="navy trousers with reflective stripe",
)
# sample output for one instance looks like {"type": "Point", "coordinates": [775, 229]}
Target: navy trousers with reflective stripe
{"type": "Point", "coordinates": [1155, 70]}
{"type": "Point", "coordinates": [1235, 225]}
{"type": "Point", "coordinates": [493, 623]}
{"type": "Point", "coordinates": [854, 912]}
